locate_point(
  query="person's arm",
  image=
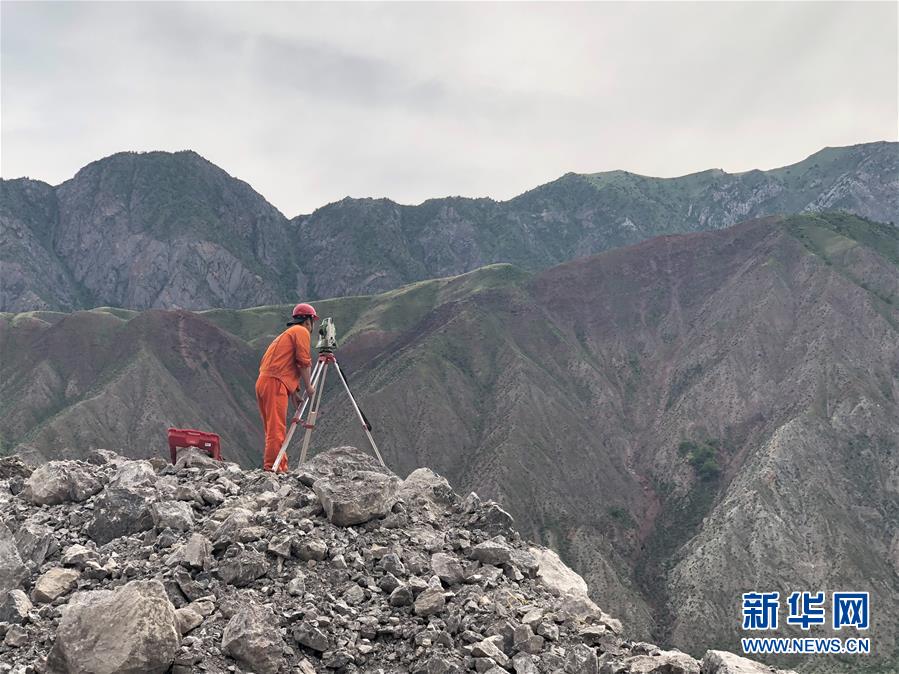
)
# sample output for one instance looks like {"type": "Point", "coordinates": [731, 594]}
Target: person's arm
{"type": "Point", "coordinates": [303, 347]}
{"type": "Point", "coordinates": [306, 376]}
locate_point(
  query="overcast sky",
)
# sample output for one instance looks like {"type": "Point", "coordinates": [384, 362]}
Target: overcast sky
{"type": "Point", "coordinates": [313, 102]}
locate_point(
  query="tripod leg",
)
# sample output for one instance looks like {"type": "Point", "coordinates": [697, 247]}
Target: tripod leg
{"type": "Point", "coordinates": [295, 420]}
{"type": "Point", "coordinates": [365, 425]}
{"type": "Point", "coordinates": [313, 413]}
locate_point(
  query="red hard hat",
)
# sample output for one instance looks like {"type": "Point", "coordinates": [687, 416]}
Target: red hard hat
{"type": "Point", "coordinates": [303, 309]}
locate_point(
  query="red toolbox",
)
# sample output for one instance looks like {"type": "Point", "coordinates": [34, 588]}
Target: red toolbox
{"type": "Point", "coordinates": [188, 437]}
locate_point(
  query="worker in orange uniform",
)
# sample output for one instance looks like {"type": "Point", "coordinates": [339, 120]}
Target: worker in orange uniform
{"type": "Point", "coordinates": [287, 361]}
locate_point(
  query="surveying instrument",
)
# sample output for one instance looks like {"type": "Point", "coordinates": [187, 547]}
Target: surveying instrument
{"type": "Point", "coordinates": [327, 344]}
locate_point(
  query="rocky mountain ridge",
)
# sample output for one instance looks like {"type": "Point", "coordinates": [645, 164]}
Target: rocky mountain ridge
{"type": "Point", "coordinates": [113, 565]}
{"type": "Point", "coordinates": [172, 230]}
{"type": "Point", "coordinates": [649, 413]}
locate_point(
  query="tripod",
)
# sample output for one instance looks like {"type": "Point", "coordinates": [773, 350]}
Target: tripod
{"type": "Point", "coordinates": [326, 357]}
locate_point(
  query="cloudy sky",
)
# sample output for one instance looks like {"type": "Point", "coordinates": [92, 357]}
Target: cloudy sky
{"type": "Point", "coordinates": [313, 102]}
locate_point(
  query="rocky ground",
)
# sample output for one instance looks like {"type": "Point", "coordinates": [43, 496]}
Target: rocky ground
{"type": "Point", "coordinates": [113, 565]}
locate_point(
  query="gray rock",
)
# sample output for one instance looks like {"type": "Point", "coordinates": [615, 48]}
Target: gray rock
{"type": "Point", "coordinates": [489, 648]}
{"type": "Point", "coordinates": [402, 596]}
{"type": "Point", "coordinates": [581, 659]}
{"type": "Point", "coordinates": [129, 630]}
{"type": "Point", "coordinates": [280, 546]}
{"type": "Point", "coordinates": [523, 663]}
{"type": "Point", "coordinates": [12, 570]}
{"type": "Point", "coordinates": [493, 519]}
{"type": "Point", "coordinates": [242, 569]}
{"type": "Point", "coordinates": [188, 619]}
{"type": "Point", "coordinates": [79, 556]}
{"type": "Point", "coordinates": [310, 548]}
{"type": "Point", "coordinates": [176, 515]}
{"type": "Point", "coordinates": [557, 576]}
{"type": "Point", "coordinates": [722, 662]}
{"type": "Point", "coordinates": [356, 498]}
{"type": "Point", "coordinates": [388, 583]}
{"type": "Point", "coordinates": [35, 542]}
{"type": "Point", "coordinates": [447, 567]}
{"type": "Point", "coordinates": [16, 637]}
{"type": "Point", "coordinates": [391, 564]}
{"type": "Point", "coordinates": [190, 457]}
{"type": "Point", "coordinates": [495, 551]}
{"type": "Point", "coordinates": [354, 595]}
{"type": "Point", "coordinates": [526, 562]}
{"type": "Point", "coordinates": [229, 530]}
{"type": "Point", "coordinates": [430, 601]}
{"type": "Point", "coordinates": [337, 659]}
{"type": "Point", "coordinates": [58, 482]}
{"type": "Point", "coordinates": [55, 583]}
{"type": "Point", "coordinates": [14, 467]}
{"type": "Point", "coordinates": [253, 639]}
{"type": "Point", "coordinates": [310, 636]}
{"type": "Point", "coordinates": [666, 662]}
{"type": "Point", "coordinates": [120, 512]}
{"type": "Point", "coordinates": [134, 474]}
{"type": "Point", "coordinates": [14, 607]}
{"type": "Point", "coordinates": [425, 486]}
{"type": "Point", "coordinates": [196, 553]}
{"type": "Point", "coordinates": [297, 585]}
{"type": "Point", "coordinates": [440, 664]}
{"type": "Point", "coordinates": [525, 641]}
{"type": "Point", "coordinates": [339, 461]}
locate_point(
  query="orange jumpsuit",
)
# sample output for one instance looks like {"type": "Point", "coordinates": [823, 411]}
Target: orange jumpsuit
{"type": "Point", "coordinates": [279, 376]}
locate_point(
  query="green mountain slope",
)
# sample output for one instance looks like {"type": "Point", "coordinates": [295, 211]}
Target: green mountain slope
{"type": "Point", "coordinates": [685, 420]}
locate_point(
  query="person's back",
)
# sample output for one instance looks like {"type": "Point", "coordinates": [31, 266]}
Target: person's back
{"type": "Point", "coordinates": [286, 355]}
{"type": "Point", "coordinates": [287, 361]}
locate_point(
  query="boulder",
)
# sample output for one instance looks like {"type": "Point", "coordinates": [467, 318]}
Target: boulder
{"type": "Point", "coordinates": [131, 630]}
{"type": "Point", "coordinates": [307, 634]}
{"type": "Point", "coordinates": [523, 663]}
{"type": "Point", "coordinates": [229, 530]}
{"type": "Point", "coordinates": [134, 474]}
{"type": "Point", "coordinates": [35, 542]}
{"type": "Point", "coordinates": [666, 662]}
{"type": "Point", "coordinates": [581, 659]}
{"type": "Point", "coordinates": [524, 640]}
{"type": "Point", "coordinates": [430, 601]}
{"type": "Point", "coordinates": [243, 569]}
{"type": "Point", "coordinates": [490, 648]}
{"type": "Point", "coordinates": [12, 570]}
{"type": "Point", "coordinates": [55, 583]}
{"type": "Point", "coordinates": [296, 586]}
{"type": "Point", "coordinates": [307, 548]}
{"type": "Point", "coordinates": [447, 568]}
{"type": "Point", "coordinates": [58, 482]}
{"type": "Point", "coordinates": [401, 596]}
{"type": "Point", "coordinates": [494, 551]}
{"type": "Point", "coordinates": [723, 662]}
{"type": "Point", "coordinates": [191, 457]}
{"type": "Point", "coordinates": [196, 553]}
{"type": "Point", "coordinates": [425, 486]}
{"type": "Point", "coordinates": [493, 519]}
{"type": "Point", "coordinates": [78, 556]}
{"type": "Point", "coordinates": [120, 512]}
{"type": "Point", "coordinates": [175, 515]}
{"type": "Point", "coordinates": [557, 576]}
{"type": "Point", "coordinates": [339, 461]}
{"type": "Point", "coordinates": [188, 619]}
{"type": "Point", "coordinates": [253, 639]}
{"type": "Point", "coordinates": [14, 466]}
{"type": "Point", "coordinates": [357, 498]}
{"type": "Point", "coordinates": [14, 607]}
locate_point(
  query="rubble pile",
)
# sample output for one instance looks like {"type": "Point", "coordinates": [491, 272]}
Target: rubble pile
{"type": "Point", "coordinates": [113, 565]}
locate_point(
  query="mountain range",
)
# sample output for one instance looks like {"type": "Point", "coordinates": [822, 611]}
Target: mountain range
{"type": "Point", "coordinates": [684, 419]}
{"type": "Point", "coordinates": [172, 230]}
